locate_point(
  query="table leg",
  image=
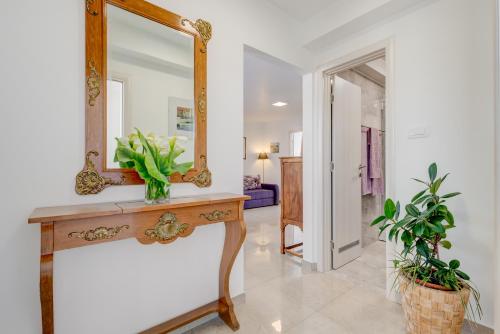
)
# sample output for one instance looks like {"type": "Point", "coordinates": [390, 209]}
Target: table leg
{"type": "Point", "coordinates": [235, 235]}
{"type": "Point", "coordinates": [46, 270]}
{"type": "Point", "coordinates": [282, 228]}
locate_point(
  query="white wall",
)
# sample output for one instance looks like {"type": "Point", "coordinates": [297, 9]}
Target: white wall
{"type": "Point", "coordinates": [42, 105]}
{"type": "Point", "coordinates": [444, 80]}
{"type": "Point", "coordinates": [259, 136]}
{"type": "Point", "coordinates": [497, 171]}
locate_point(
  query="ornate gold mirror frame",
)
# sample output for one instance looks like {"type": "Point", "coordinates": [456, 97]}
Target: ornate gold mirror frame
{"type": "Point", "coordinates": [96, 175]}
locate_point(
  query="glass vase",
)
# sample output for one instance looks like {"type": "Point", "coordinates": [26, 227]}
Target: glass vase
{"type": "Point", "coordinates": [156, 192]}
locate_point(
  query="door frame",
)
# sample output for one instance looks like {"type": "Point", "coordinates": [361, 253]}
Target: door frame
{"type": "Point", "coordinates": [322, 229]}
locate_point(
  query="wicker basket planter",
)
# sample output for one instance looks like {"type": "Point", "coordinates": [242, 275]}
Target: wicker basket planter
{"type": "Point", "coordinates": [433, 310]}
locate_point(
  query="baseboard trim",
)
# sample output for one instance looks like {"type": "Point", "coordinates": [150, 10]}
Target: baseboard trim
{"type": "Point", "coordinates": [309, 267]}
{"type": "Point", "coordinates": [239, 299]}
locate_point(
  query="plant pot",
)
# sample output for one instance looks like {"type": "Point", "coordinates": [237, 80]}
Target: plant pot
{"type": "Point", "coordinates": [433, 310]}
{"type": "Point", "coordinates": [156, 193]}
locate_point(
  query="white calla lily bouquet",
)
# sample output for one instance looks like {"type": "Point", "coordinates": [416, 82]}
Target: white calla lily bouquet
{"type": "Point", "coordinates": [153, 158]}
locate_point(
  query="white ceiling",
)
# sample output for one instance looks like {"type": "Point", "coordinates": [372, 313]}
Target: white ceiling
{"type": "Point", "coordinates": [303, 9]}
{"type": "Point", "coordinates": [268, 80]}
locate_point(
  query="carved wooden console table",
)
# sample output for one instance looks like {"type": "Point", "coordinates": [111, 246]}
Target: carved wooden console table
{"type": "Point", "coordinates": [84, 225]}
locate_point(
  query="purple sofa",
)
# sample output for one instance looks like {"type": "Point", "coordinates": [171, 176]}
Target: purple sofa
{"type": "Point", "coordinates": [267, 195]}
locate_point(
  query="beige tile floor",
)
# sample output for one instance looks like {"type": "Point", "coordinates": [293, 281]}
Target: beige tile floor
{"type": "Point", "coordinates": [281, 299]}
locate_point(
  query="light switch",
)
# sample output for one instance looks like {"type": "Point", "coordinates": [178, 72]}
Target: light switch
{"type": "Point", "coordinates": [418, 132]}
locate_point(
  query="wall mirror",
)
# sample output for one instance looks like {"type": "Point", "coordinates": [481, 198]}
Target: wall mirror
{"type": "Point", "coordinates": [145, 69]}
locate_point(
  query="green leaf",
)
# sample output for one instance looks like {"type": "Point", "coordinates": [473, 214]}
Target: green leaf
{"type": "Point", "coordinates": [435, 186]}
{"type": "Point", "coordinates": [383, 228]}
{"type": "Point", "coordinates": [454, 264]}
{"type": "Point", "coordinates": [173, 151]}
{"type": "Point", "coordinates": [437, 263]}
{"type": "Point", "coordinates": [462, 275]}
{"type": "Point", "coordinates": [422, 199]}
{"type": "Point", "coordinates": [450, 195]}
{"type": "Point", "coordinates": [437, 227]}
{"type": "Point", "coordinates": [449, 218]}
{"type": "Point", "coordinates": [182, 168]}
{"type": "Point", "coordinates": [164, 165]}
{"type": "Point", "coordinates": [432, 171]}
{"type": "Point", "coordinates": [378, 220]}
{"type": "Point", "coordinates": [445, 243]}
{"type": "Point", "coordinates": [389, 209]}
{"type": "Point", "coordinates": [125, 155]}
{"type": "Point", "coordinates": [153, 169]}
{"type": "Point", "coordinates": [407, 248]}
{"type": "Point", "coordinates": [403, 222]}
{"type": "Point", "coordinates": [430, 210]}
{"type": "Point", "coordinates": [392, 232]}
{"type": "Point", "coordinates": [145, 144]}
{"type": "Point", "coordinates": [417, 196]}
{"type": "Point", "coordinates": [129, 164]}
{"type": "Point", "coordinates": [443, 209]}
{"type": "Point", "coordinates": [419, 229]}
{"type": "Point", "coordinates": [444, 177]}
{"type": "Point", "coordinates": [398, 210]}
{"type": "Point", "coordinates": [422, 248]}
{"type": "Point", "coordinates": [412, 210]}
{"type": "Point", "coordinates": [420, 181]}
{"type": "Point", "coordinates": [407, 238]}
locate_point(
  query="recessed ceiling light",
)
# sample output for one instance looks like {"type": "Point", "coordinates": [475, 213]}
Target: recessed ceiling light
{"type": "Point", "coordinates": [280, 104]}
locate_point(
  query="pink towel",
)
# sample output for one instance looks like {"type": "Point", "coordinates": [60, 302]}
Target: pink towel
{"type": "Point", "coordinates": [366, 184]}
{"type": "Point", "coordinates": [375, 171]}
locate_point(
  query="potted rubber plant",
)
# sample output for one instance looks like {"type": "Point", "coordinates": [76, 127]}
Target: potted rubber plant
{"type": "Point", "coordinates": [435, 294]}
{"type": "Point", "coordinates": [153, 160]}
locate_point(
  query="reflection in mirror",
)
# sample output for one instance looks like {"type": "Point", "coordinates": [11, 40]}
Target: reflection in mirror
{"type": "Point", "coordinates": [150, 82]}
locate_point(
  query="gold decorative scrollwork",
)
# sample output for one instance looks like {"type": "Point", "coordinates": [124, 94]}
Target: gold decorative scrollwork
{"type": "Point", "coordinates": [88, 181]}
{"type": "Point", "coordinates": [203, 28]}
{"type": "Point", "coordinates": [93, 83]}
{"type": "Point", "coordinates": [90, 10]}
{"type": "Point", "coordinates": [100, 233]}
{"type": "Point", "coordinates": [202, 104]}
{"type": "Point", "coordinates": [167, 228]}
{"type": "Point", "coordinates": [215, 215]}
{"type": "Point", "coordinates": [204, 178]}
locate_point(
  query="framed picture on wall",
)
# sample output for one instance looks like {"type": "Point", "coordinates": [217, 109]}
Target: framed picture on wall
{"type": "Point", "coordinates": [244, 148]}
{"type": "Point", "coordinates": [180, 117]}
{"type": "Point", "coordinates": [275, 148]}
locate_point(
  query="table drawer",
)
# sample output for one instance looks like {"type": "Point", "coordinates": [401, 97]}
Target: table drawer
{"type": "Point", "coordinates": [162, 226]}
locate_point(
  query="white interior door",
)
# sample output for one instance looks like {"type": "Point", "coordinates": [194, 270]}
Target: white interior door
{"type": "Point", "coordinates": [346, 180]}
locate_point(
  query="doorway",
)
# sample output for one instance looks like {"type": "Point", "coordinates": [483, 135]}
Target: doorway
{"type": "Point", "coordinates": [272, 134]}
{"type": "Point", "coordinates": [357, 155]}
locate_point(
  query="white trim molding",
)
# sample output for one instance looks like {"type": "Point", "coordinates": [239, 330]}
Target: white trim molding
{"type": "Point", "coordinates": [320, 200]}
